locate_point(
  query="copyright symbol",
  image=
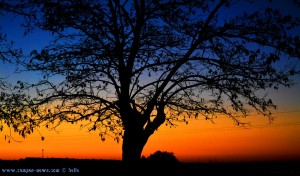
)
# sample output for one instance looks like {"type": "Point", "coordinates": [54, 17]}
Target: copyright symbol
{"type": "Point", "coordinates": [63, 169]}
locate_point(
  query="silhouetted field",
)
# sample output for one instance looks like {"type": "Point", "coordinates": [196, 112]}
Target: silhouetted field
{"type": "Point", "coordinates": [55, 167]}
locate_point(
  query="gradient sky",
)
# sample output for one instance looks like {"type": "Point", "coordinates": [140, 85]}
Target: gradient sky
{"type": "Point", "coordinates": [200, 140]}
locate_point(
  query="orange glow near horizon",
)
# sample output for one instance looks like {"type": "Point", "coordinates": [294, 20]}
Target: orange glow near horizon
{"type": "Point", "coordinates": [203, 141]}
{"type": "Point", "coordinates": [200, 140]}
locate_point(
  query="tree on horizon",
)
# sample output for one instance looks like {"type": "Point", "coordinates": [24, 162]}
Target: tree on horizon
{"type": "Point", "coordinates": [125, 68]}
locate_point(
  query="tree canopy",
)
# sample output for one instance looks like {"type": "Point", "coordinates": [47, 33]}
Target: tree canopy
{"type": "Point", "coordinates": [12, 102]}
{"type": "Point", "coordinates": [127, 67]}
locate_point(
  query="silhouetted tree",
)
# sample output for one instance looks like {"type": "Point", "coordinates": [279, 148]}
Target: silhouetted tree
{"type": "Point", "coordinates": [12, 103]}
{"type": "Point", "coordinates": [127, 67]}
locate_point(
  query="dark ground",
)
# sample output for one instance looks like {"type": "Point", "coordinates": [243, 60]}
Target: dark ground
{"type": "Point", "coordinates": [74, 167]}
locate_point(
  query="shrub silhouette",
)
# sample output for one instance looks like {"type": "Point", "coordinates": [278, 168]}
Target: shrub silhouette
{"type": "Point", "coordinates": [162, 156]}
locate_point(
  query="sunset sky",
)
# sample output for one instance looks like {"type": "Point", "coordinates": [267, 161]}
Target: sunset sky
{"type": "Point", "coordinates": [200, 140]}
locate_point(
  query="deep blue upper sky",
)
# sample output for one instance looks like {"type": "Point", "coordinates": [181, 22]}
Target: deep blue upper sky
{"type": "Point", "coordinates": [10, 25]}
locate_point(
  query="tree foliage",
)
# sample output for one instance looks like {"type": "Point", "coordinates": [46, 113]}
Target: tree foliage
{"type": "Point", "coordinates": [127, 67]}
{"type": "Point", "coordinates": [12, 102]}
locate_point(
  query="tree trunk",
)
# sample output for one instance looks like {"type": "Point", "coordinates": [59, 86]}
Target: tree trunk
{"type": "Point", "coordinates": [136, 135]}
{"type": "Point", "coordinates": [134, 141]}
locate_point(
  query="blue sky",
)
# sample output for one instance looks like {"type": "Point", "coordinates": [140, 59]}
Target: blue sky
{"type": "Point", "coordinates": [10, 25]}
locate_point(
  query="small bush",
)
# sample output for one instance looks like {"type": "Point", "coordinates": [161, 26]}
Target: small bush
{"type": "Point", "coordinates": [163, 156]}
